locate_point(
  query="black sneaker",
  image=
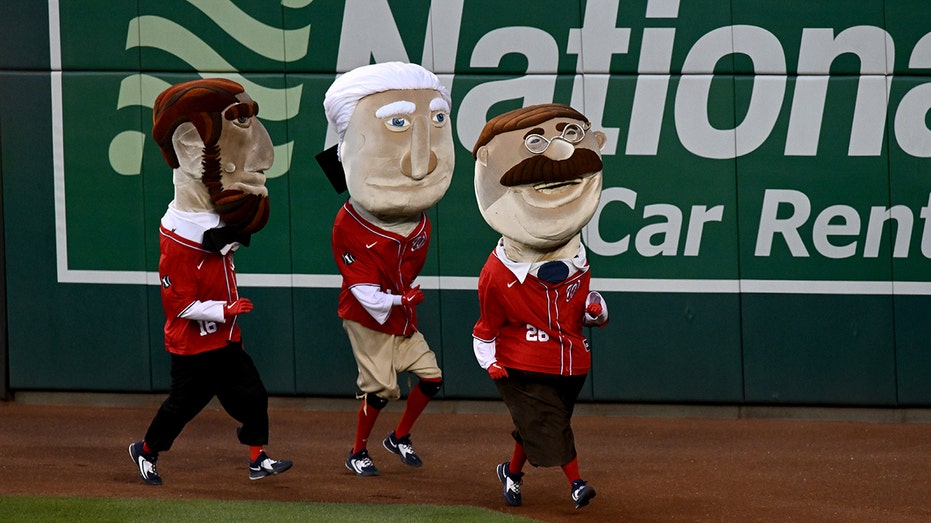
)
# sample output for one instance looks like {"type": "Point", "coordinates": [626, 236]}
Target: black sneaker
{"type": "Point", "coordinates": [361, 464]}
{"type": "Point", "coordinates": [146, 464]}
{"type": "Point", "coordinates": [581, 493]}
{"type": "Point", "coordinates": [403, 448]}
{"type": "Point", "coordinates": [511, 483]}
{"type": "Point", "coordinates": [266, 466]}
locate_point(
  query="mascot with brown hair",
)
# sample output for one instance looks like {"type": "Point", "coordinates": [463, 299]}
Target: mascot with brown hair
{"type": "Point", "coordinates": [209, 134]}
{"type": "Point", "coordinates": [395, 155]}
{"type": "Point", "coordinates": [537, 183]}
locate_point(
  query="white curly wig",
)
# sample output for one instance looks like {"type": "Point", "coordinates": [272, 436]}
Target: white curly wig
{"type": "Point", "coordinates": [346, 91]}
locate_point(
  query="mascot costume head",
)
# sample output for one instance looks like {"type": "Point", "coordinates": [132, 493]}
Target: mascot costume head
{"type": "Point", "coordinates": [538, 179]}
{"type": "Point", "coordinates": [395, 139]}
{"type": "Point", "coordinates": [209, 134]}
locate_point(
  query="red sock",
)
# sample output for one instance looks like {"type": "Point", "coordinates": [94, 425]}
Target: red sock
{"type": "Point", "coordinates": [517, 459]}
{"type": "Point", "coordinates": [367, 416]}
{"type": "Point", "coordinates": [254, 452]}
{"type": "Point", "coordinates": [416, 402]}
{"type": "Point", "coordinates": [145, 448]}
{"type": "Point", "coordinates": [571, 470]}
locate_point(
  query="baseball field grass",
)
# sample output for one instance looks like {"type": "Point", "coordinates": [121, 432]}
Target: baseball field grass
{"type": "Point", "coordinates": [39, 509]}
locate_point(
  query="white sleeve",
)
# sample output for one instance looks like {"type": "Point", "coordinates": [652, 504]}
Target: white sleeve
{"type": "Point", "coordinates": [211, 310]}
{"type": "Point", "coordinates": [376, 302]}
{"type": "Point", "coordinates": [484, 352]}
{"type": "Point", "coordinates": [601, 319]}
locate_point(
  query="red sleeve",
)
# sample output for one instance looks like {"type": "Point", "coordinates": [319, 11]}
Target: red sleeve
{"type": "Point", "coordinates": [491, 311]}
{"type": "Point", "coordinates": [355, 262]}
{"type": "Point", "coordinates": [176, 270]}
{"type": "Point", "coordinates": [354, 265]}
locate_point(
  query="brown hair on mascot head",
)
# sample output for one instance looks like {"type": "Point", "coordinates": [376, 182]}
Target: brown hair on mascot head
{"type": "Point", "coordinates": [206, 103]}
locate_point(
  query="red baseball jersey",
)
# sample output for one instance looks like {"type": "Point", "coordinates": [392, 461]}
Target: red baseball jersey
{"type": "Point", "coordinates": [188, 274]}
{"type": "Point", "coordinates": [369, 255]}
{"type": "Point", "coordinates": [536, 325]}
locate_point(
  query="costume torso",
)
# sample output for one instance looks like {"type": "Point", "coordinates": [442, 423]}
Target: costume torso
{"type": "Point", "coordinates": [369, 255]}
{"type": "Point", "coordinates": [189, 273]}
{"type": "Point", "coordinates": [536, 325]}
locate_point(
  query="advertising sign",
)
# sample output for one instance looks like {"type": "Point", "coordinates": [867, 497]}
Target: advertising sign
{"type": "Point", "coordinates": [746, 151]}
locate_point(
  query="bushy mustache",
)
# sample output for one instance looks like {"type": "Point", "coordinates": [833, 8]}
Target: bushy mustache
{"type": "Point", "coordinates": [538, 168]}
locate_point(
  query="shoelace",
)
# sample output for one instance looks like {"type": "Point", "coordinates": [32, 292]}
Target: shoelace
{"type": "Point", "coordinates": [513, 486]}
{"type": "Point", "coordinates": [405, 448]}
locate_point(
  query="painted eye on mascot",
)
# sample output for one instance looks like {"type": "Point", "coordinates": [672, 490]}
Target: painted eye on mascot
{"type": "Point", "coordinates": [536, 143]}
{"type": "Point", "coordinates": [397, 123]}
{"type": "Point", "coordinates": [439, 118]}
{"type": "Point", "coordinates": [573, 133]}
{"type": "Point", "coordinates": [243, 121]}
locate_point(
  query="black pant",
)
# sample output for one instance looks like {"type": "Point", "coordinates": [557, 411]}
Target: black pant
{"type": "Point", "coordinates": [541, 407]}
{"type": "Point", "coordinates": [230, 375]}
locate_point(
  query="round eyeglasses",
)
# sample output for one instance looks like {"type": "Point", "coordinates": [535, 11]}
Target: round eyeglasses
{"type": "Point", "coordinates": [572, 133]}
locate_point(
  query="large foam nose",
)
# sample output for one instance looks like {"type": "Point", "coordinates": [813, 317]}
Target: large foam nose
{"type": "Point", "coordinates": [422, 159]}
{"type": "Point", "coordinates": [559, 149]}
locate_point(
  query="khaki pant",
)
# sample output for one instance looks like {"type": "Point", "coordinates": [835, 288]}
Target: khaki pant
{"type": "Point", "coordinates": [380, 357]}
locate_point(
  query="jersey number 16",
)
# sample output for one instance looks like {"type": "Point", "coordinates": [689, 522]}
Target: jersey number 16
{"type": "Point", "coordinates": [207, 327]}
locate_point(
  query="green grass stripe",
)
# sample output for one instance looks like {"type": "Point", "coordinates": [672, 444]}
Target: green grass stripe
{"type": "Point", "coordinates": [102, 510]}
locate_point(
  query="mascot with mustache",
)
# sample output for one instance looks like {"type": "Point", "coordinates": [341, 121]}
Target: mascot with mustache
{"type": "Point", "coordinates": [209, 134]}
{"type": "Point", "coordinates": [538, 182]}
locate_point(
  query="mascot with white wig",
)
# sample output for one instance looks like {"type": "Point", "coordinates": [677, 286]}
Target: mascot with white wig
{"type": "Point", "coordinates": [395, 155]}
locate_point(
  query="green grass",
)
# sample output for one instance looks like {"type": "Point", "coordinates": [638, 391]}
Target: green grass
{"type": "Point", "coordinates": [28, 509]}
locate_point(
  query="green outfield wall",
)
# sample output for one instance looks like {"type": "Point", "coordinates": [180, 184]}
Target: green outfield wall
{"type": "Point", "coordinates": [764, 233]}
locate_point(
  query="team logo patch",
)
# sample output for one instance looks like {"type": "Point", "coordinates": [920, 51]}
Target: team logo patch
{"type": "Point", "coordinates": [570, 292]}
{"type": "Point", "coordinates": [348, 259]}
{"type": "Point", "coordinates": [419, 241]}
{"type": "Point", "coordinates": [166, 281]}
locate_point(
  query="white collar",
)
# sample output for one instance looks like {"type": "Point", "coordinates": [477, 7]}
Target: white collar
{"type": "Point", "coordinates": [190, 225]}
{"type": "Point", "coordinates": [520, 270]}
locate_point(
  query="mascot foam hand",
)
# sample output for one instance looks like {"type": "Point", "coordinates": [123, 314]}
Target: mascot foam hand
{"type": "Point", "coordinates": [240, 306]}
{"type": "Point", "coordinates": [596, 310]}
{"type": "Point", "coordinates": [413, 297]}
{"type": "Point", "coordinates": [496, 371]}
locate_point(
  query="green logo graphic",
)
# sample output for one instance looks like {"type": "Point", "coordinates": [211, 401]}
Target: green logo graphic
{"type": "Point", "coordinates": [160, 33]}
